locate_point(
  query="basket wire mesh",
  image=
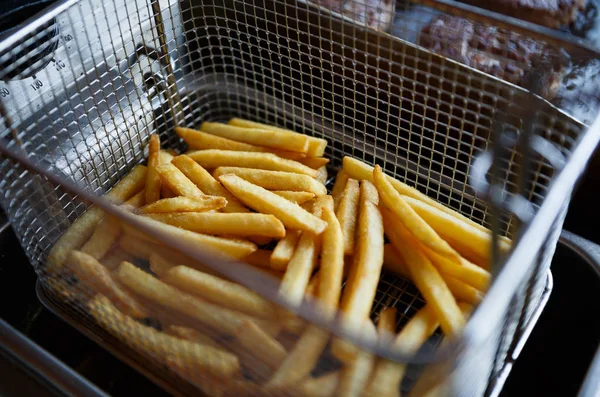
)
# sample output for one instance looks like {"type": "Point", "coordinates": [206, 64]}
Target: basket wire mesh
{"type": "Point", "coordinates": [89, 81]}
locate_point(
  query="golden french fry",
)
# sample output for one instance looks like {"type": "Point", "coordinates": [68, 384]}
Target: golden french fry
{"type": "Point", "coordinates": [332, 261]}
{"type": "Point", "coordinates": [98, 279]}
{"type": "Point", "coordinates": [159, 265]}
{"type": "Point", "coordinates": [230, 247]}
{"type": "Point", "coordinates": [387, 321]}
{"type": "Point", "coordinates": [312, 289]}
{"type": "Point", "coordinates": [192, 335]}
{"type": "Point", "coordinates": [153, 182]}
{"type": "Point", "coordinates": [259, 258]}
{"type": "Point", "coordinates": [205, 181]}
{"type": "Point", "coordinates": [285, 249]}
{"type": "Point", "coordinates": [316, 146]}
{"type": "Point", "coordinates": [369, 192]}
{"type": "Point", "coordinates": [295, 197]}
{"type": "Point", "coordinates": [178, 182]}
{"type": "Point", "coordinates": [257, 136]}
{"type": "Point", "coordinates": [461, 290]}
{"type": "Point", "coordinates": [361, 286]}
{"type": "Point", "coordinates": [368, 260]}
{"type": "Point", "coordinates": [302, 263]}
{"type": "Point", "coordinates": [136, 202]}
{"type": "Point", "coordinates": [165, 192]}
{"type": "Point", "coordinates": [105, 234]}
{"type": "Point", "coordinates": [165, 156]}
{"type": "Point", "coordinates": [322, 177]}
{"type": "Point", "coordinates": [311, 344]}
{"type": "Point", "coordinates": [275, 180]}
{"type": "Point", "coordinates": [347, 214]}
{"type": "Point", "coordinates": [155, 344]}
{"type": "Point", "coordinates": [228, 224]}
{"type": "Point", "coordinates": [212, 158]}
{"type": "Point", "coordinates": [464, 237]}
{"type": "Point", "coordinates": [83, 228]}
{"type": "Point", "coordinates": [358, 170]}
{"type": "Point", "coordinates": [184, 204]}
{"type": "Point", "coordinates": [413, 222]}
{"type": "Point", "coordinates": [302, 359]}
{"type": "Point", "coordinates": [262, 200]}
{"type": "Point", "coordinates": [171, 298]}
{"type": "Point", "coordinates": [222, 292]}
{"type": "Point", "coordinates": [198, 140]}
{"type": "Point", "coordinates": [425, 276]}
{"type": "Point", "coordinates": [262, 345]}
{"type": "Point", "coordinates": [314, 162]}
{"type": "Point", "coordinates": [323, 386]}
{"type": "Point", "coordinates": [114, 258]}
{"type": "Point", "coordinates": [357, 372]}
{"type": "Point", "coordinates": [338, 188]}
{"type": "Point", "coordinates": [464, 271]}
{"type": "Point", "coordinates": [388, 374]}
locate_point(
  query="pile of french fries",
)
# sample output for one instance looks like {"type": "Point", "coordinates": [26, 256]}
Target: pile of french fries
{"type": "Point", "coordinates": [257, 193]}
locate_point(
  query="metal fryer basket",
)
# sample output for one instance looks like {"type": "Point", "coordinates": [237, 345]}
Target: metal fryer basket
{"type": "Point", "coordinates": [122, 71]}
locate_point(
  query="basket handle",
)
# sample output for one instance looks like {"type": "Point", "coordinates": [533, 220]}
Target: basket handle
{"type": "Point", "coordinates": [590, 252]}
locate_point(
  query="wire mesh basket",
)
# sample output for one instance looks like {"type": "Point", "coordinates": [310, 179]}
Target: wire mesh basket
{"type": "Point", "coordinates": [457, 106]}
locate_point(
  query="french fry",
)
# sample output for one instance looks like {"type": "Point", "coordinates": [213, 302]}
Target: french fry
{"type": "Point", "coordinates": [388, 375]}
{"type": "Point", "coordinates": [222, 292]}
{"type": "Point", "coordinates": [165, 157]}
{"type": "Point", "coordinates": [262, 200]}
{"type": "Point", "coordinates": [232, 224]}
{"type": "Point", "coordinates": [361, 286]}
{"type": "Point", "coordinates": [386, 325]}
{"type": "Point", "coordinates": [314, 162]}
{"type": "Point", "coordinates": [302, 359]}
{"type": "Point", "coordinates": [369, 192]}
{"type": "Point", "coordinates": [425, 276]}
{"type": "Point", "coordinates": [205, 181]}
{"type": "Point", "coordinates": [212, 158]}
{"type": "Point", "coordinates": [275, 180]}
{"type": "Point", "coordinates": [153, 181]}
{"type": "Point", "coordinates": [83, 228]}
{"type": "Point", "coordinates": [312, 289]}
{"type": "Point", "coordinates": [184, 204]}
{"type": "Point", "coordinates": [322, 177]}
{"type": "Point", "coordinates": [198, 140]}
{"type": "Point", "coordinates": [135, 202]}
{"type": "Point", "coordinates": [302, 263]}
{"type": "Point", "coordinates": [178, 182]}
{"type": "Point", "coordinates": [358, 170]}
{"type": "Point", "coordinates": [192, 335]}
{"type": "Point", "coordinates": [283, 251]}
{"type": "Point", "coordinates": [258, 136]}
{"type": "Point", "coordinates": [311, 344]}
{"type": "Point", "coordinates": [259, 258]}
{"type": "Point", "coordinates": [227, 247]}
{"type": "Point", "coordinates": [159, 265]}
{"type": "Point", "coordinates": [295, 197]}
{"type": "Point", "coordinates": [464, 237]}
{"type": "Point", "coordinates": [316, 146]}
{"type": "Point", "coordinates": [172, 298]}
{"type": "Point", "coordinates": [323, 386]}
{"type": "Point", "coordinates": [98, 279]}
{"type": "Point", "coordinates": [338, 188]}
{"type": "Point", "coordinates": [155, 344]}
{"type": "Point", "coordinates": [464, 271]}
{"type": "Point", "coordinates": [114, 258]}
{"type": "Point", "coordinates": [347, 214]}
{"type": "Point", "coordinates": [262, 345]}
{"type": "Point", "coordinates": [461, 290]}
{"type": "Point", "coordinates": [357, 372]}
{"type": "Point", "coordinates": [106, 233]}
{"type": "Point", "coordinates": [332, 261]}
{"type": "Point", "coordinates": [413, 222]}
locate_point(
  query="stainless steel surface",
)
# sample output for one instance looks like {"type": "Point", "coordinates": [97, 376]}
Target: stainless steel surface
{"type": "Point", "coordinates": [132, 69]}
